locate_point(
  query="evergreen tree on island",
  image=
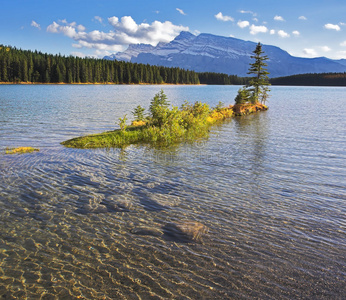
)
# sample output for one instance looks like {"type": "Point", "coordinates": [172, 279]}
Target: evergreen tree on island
{"type": "Point", "coordinates": [257, 89]}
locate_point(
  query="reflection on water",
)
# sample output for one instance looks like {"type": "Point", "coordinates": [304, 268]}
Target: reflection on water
{"type": "Point", "coordinates": [256, 211]}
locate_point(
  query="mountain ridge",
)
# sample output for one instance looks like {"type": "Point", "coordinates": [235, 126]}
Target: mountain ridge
{"type": "Point", "coordinates": [211, 53]}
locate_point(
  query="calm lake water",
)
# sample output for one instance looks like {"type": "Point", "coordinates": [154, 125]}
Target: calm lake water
{"type": "Point", "coordinates": [95, 224]}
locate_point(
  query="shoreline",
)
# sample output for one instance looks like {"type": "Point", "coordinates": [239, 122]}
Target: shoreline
{"type": "Point", "coordinates": [96, 83]}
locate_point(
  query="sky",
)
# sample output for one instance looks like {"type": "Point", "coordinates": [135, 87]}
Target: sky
{"type": "Point", "coordinates": [304, 28]}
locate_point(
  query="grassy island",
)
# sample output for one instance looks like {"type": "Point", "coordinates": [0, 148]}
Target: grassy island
{"type": "Point", "coordinates": [164, 125]}
{"type": "Point", "coordinates": [20, 150]}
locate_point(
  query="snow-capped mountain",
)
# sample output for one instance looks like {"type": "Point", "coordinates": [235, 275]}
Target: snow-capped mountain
{"type": "Point", "coordinates": [211, 53]}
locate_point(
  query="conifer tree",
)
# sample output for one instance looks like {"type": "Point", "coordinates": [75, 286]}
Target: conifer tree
{"type": "Point", "coordinates": [257, 88]}
{"type": "Point", "coordinates": [258, 83]}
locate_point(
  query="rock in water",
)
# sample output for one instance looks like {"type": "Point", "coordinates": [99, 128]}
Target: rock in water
{"type": "Point", "coordinates": [142, 230]}
{"type": "Point", "coordinates": [185, 231]}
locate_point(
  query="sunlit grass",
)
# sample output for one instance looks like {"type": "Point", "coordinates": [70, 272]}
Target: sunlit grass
{"type": "Point", "coordinates": [20, 150]}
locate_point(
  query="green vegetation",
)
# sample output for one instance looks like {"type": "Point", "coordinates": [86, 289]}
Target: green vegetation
{"type": "Point", "coordinates": [138, 113]}
{"type": "Point", "coordinates": [314, 79]}
{"type": "Point", "coordinates": [20, 150]}
{"type": "Point", "coordinates": [257, 89]}
{"type": "Point", "coordinates": [163, 125]}
{"type": "Point", "coordinates": [22, 66]}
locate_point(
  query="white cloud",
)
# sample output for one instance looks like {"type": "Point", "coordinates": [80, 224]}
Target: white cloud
{"type": "Point", "coordinates": [53, 28]}
{"type": "Point", "coordinates": [243, 24]}
{"type": "Point", "coordinates": [221, 17]}
{"type": "Point", "coordinates": [302, 18]}
{"type": "Point", "coordinates": [296, 33]}
{"type": "Point", "coordinates": [181, 11]}
{"type": "Point", "coordinates": [279, 18]}
{"type": "Point", "coordinates": [255, 19]}
{"type": "Point", "coordinates": [325, 48]}
{"type": "Point", "coordinates": [125, 31]}
{"type": "Point", "coordinates": [343, 44]}
{"type": "Point", "coordinates": [98, 18]}
{"type": "Point", "coordinates": [272, 31]}
{"type": "Point", "coordinates": [341, 55]}
{"type": "Point", "coordinates": [78, 54]}
{"type": "Point", "coordinates": [258, 29]}
{"type": "Point", "coordinates": [342, 24]}
{"type": "Point", "coordinates": [248, 12]}
{"type": "Point", "coordinates": [332, 26]}
{"type": "Point", "coordinates": [34, 24]}
{"type": "Point", "coordinates": [309, 52]}
{"type": "Point", "coordinates": [283, 34]}
{"type": "Point", "coordinates": [80, 28]}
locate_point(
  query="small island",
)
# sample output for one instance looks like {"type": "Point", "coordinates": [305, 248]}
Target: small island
{"type": "Point", "coordinates": [164, 125]}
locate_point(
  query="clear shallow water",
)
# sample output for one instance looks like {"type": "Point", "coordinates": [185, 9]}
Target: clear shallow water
{"type": "Point", "coordinates": [270, 188]}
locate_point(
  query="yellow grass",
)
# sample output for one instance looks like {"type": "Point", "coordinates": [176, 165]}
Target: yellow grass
{"type": "Point", "coordinates": [20, 150]}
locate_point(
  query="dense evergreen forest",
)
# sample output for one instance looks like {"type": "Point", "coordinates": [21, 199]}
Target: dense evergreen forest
{"type": "Point", "coordinates": [18, 65]}
{"type": "Point", "coordinates": [314, 79]}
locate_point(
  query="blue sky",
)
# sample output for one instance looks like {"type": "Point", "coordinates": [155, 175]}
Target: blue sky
{"type": "Point", "coordinates": [100, 27]}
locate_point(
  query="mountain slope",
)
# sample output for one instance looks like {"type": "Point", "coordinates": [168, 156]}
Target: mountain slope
{"type": "Point", "coordinates": [211, 53]}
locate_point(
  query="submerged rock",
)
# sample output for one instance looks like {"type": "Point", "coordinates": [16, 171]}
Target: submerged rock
{"type": "Point", "coordinates": [119, 203]}
{"type": "Point", "coordinates": [96, 209]}
{"type": "Point", "coordinates": [185, 231]}
{"type": "Point", "coordinates": [142, 230]}
{"type": "Point", "coordinates": [157, 202]}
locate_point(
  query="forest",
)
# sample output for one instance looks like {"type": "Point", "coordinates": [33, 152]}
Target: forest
{"type": "Point", "coordinates": [312, 79]}
{"type": "Point", "coordinates": [25, 66]}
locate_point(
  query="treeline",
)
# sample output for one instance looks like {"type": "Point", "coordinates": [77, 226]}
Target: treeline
{"type": "Point", "coordinates": [18, 65]}
{"type": "Point", "coordinates": [312, 79]}
{"type": "Point", "coordinates": [219, 78]}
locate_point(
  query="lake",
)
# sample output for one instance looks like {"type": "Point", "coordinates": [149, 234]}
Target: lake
{"type": "Point", "coordinates": [270, 188]}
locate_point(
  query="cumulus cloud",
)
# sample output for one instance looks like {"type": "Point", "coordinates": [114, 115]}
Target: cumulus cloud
{"type": "Point", "coordinates": [125, 31]}
{"type": "Point", "coordinates": [258, 29]}
{"type": "Point", "coordinates": [283, 34]}
{"type": "Point", "coordinates": [296, 33]}
{"type": "Point", "coordinates": [332, 26]}
{"type": "Point", "coordinates": [36, 25]}
{"type": "Point", "coordinates": [343, 44]}
{"type": "Point", "coordinates": [248, 12]}
{"type": "Point", "coordinates": [181, 11]}
{"type": "Point", "coordinates": [272, 31]}
{"type": "Point", "coordinates": [309, 52]}
{"type": "Point", "coordinates": [279, 18]}
{"type": "Point", "coordinates": [243, 24]}
{"type": "Point", "coordinates": [98, 19]}
{"type": "Point", "coordinates": [221, 17]}
{"type": "Point", "coordinates": [302, 18]}
{"type": "Point", "coordinates": [325, 48]}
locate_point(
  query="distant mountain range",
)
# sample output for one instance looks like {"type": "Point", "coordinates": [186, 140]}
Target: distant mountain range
{"type": "Point", "coordinates": [211, 53]}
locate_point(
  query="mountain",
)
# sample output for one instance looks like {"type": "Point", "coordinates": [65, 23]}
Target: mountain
{"type": "Point", "coordinates": [211, 53]}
